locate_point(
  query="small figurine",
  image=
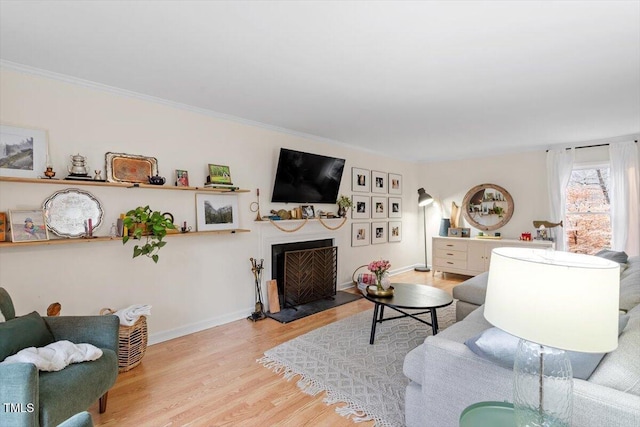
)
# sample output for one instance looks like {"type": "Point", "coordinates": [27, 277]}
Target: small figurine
{"type": "Point", "coordinates": [49, 173]}
{"type": "Point", "coordinates": [98, 175]}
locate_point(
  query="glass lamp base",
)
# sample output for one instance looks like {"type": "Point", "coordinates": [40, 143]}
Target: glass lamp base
{"type": "Point", "coordinates": [543, 386]}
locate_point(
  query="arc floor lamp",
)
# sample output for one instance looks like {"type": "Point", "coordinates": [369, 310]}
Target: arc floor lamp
{"type": "Point", "coordinates": [424, 200]}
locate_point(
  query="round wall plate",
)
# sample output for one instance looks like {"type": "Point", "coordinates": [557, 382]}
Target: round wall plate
{"type": "Point", "coordinates": [67, 210]}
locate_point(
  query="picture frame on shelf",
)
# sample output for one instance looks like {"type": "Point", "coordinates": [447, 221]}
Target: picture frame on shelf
{"type": "Point", "coordinates": [360, 234]}
{"type": "Point", "coordinates": [219, 175]}
{"type": "Point", "coordinates": [395, 207]}
{"type": "Point", "coordinates": [378, 233]}
{"type": "Point", "coordinates": [361, 207]}
{"type": "Point", "coordinates": [24, 153]}
{"type": "Point", "coordinates": [308, 211]}
{"type": "Point", "coordinates": [182, 178]}
{"type": "Point", "coordinates": [378, 182]}
{"type": "Point", "coordinates": [130, 168]}
{"type": "Point", "coordinates": [378, 207]}
{"type": "Point", "coordinates": [360, 180]}
{"type": "Point", "coordinates": [28, 225]}
{"type": "Point", "coordinates": [216, 212]}
{"type": "Point", "coordinates": [395, 183]}
{"type": "Point", "coordinates": [3, 226]}
{"type": "Point", "coordinates": [395, 231]}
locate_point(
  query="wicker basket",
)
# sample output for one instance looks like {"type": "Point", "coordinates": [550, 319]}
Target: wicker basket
{"type": "Point", "coordinates": [132, 342]}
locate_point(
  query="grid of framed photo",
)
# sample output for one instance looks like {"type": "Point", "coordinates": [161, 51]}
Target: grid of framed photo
{"type": "Point", "coordinates": [376, 206]}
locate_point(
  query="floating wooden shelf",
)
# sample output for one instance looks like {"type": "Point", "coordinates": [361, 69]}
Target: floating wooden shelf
{"type": "Point", "coordinates": [73, 183]}
{"type": "Point", "coordinates": [106, 238]}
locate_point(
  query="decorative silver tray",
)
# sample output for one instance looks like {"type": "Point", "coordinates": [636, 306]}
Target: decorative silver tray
{"type": "Point", "coordinates": [67, 210]}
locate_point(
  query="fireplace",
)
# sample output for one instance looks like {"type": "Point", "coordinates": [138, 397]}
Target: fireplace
{"type": "Point", "coordinates": [305, 271]}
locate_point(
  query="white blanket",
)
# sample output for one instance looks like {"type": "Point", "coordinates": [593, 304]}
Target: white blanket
{"type": "Point", "coordinates": [128, 316]}
{"type": "Point", "coordinates": [55, 356]}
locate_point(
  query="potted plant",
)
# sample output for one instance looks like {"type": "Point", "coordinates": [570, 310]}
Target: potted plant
{"type": "Point", "coordinates": [142, 222]}
{"type": "Point", "coordinates": [344, 203]}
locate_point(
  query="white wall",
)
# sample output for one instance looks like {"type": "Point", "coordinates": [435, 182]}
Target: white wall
{"type": "Point", "coordinates": [202, 280]}
{"type": "Point", "coordinates": [522, 175]}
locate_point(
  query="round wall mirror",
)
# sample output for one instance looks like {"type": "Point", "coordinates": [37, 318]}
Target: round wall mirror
{"type": "Point", "coordinates": [487, 207]}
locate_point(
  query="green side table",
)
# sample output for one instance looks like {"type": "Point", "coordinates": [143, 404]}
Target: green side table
{"type": "Point", "coordinates": [488, 414]}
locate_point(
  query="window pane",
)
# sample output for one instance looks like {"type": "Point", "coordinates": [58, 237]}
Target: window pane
{"type": "Point", "coordinates": [588, 225]}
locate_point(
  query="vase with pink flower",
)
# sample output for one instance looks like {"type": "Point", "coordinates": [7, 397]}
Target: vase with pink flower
{"type": "Point", "coordinates": [383, 286]}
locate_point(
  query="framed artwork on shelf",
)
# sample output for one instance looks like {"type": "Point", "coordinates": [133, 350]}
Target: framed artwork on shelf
{"type": "Point", "coordinates": [378, 207]}
{"type": "Point", "coordinates": [182, 178]}
{"type": "Point", "coordinates": [308, 211]}
{"type": "Point", "coordinates": [378, 232]}
{"type": "Point", "coordinates": [130, 168]}
{"type": "Point", "coordinates": [24, 152]}
{"type": "Point", "coordinates": [378, 182]}
{"type": "Point", "coordinates": [219, 174]}
{"type": "Point", "coordinates": [395, 231]}
{"type": "Point", "coordinates": [395, 183]}
{"type": "Point", "coordinates": [3, 226]}
{"type": "Point", "coordinates": [28, 225]}
{"type": "Point", "coordinates": [216, 212]}
{"type": "Point", "coordinates": [360, 180]}
{"type": "Point", "coordinates": [361, 207]}
{"type": "Point", "coordinates": [360, 234]}
{"type": "Point", "coordinates": [395, 207]}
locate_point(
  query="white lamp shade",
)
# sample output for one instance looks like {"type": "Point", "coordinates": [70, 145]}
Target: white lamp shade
{"type": "Point", "coordinates": [558, 299]}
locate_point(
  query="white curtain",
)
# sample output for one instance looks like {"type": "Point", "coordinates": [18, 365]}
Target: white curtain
{"type": "Point", "coordinates": [559, 167]}
{"type": "Point", "coordinates": [625, 197]}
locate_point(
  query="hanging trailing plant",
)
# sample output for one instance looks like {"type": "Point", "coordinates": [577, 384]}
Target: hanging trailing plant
{"type": "Point", "coordinates": [143, 223]}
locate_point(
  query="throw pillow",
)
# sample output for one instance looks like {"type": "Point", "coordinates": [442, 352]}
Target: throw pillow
{"type": "Point", "coordinates": [22, 332]}
{"type": "Point", "coordinates": [500, 347]}
{"type": "Point", "coordinates": [619, 257]}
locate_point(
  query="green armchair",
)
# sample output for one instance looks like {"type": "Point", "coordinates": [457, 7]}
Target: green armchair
{"type": "Point", "coordinates": [32, 398]}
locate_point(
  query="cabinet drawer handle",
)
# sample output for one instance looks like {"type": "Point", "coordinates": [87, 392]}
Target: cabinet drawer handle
{"type": "Point", "coordinates": [449, 254]}
{"type": "Point", "coordinates": [449, 246]}
{"type": "Point", "coordinates": [449, 262]}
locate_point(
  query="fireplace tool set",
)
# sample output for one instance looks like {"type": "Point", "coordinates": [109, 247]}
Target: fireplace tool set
{"type": "Point", "coordinates": [256, 269]}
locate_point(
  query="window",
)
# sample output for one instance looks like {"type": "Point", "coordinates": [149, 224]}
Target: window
{"type": "Point", "coordinates": [588, 222]}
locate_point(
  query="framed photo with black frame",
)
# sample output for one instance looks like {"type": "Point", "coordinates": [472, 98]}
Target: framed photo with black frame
{"type": "Point", "coordinates": [395, 231]}
{"type": "Point", "coordinates": [360, 234]}
{"type": "Point", "coordinates": [360, 180]}
{"type": "Point", "coordinates": [361, 207]}
{"type": "Point", "coordinates": [378, 182]}
{"type": "Point", "coordinates": [395, 207]}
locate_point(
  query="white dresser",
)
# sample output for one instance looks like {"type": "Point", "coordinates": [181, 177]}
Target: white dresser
{"type": "Point", "coordinates": [470, 256]}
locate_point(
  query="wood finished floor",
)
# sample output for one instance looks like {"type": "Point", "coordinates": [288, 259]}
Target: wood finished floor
{"type": "Point", "coordinates": [211, 378]}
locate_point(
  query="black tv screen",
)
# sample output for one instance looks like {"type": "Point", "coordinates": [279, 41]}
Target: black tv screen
{"type": "Point", "coordinates": [307, 178]}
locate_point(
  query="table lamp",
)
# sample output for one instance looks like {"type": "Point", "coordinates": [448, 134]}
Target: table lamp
{"type": "Point", "coordinates": [424, 200]}
{"type": "Point", "coordinates": [553, 301]}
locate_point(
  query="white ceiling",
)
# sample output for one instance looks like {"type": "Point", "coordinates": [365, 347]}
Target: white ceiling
{"type": "Point", "coordinates": [424, 81]}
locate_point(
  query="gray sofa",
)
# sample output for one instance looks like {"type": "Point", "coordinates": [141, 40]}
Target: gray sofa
{"type": "Point", "coordinates": [445, 376]}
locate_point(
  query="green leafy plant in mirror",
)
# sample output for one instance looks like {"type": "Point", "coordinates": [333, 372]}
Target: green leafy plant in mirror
{"type": "Point", "coordinates": [498, 211]}
{"type": "Point", "coordinates": [143, 223]}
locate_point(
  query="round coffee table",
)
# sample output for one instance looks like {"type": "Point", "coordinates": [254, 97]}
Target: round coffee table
{"type": "Point", "coordinates": [409, 296]}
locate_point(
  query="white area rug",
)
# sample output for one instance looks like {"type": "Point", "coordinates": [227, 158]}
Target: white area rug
{"type": "Point", "coordinates": [338, 360]}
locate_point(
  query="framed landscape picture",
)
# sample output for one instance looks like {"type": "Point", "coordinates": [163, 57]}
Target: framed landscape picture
{"type": "Point", "coordinates": [378, 232]}
{"type": "Point", "coordinates": [219, 174]}
{"type": "Point", "coordinates": [395, 183]}
{"type": "Point", "coordinates": [360, 234]}
{"type": "Point", "coordinates": [216, 212]}
{"type": "Point", "coordinates": [378, 182]}
{"type": "Point", "coordinates": [28, 225]}
{"type": "Point", "coordinates": [378, 207]}
{"type": "Point", "coordinates": [360, 180]}
{"type": "Point", "coordinates": [395, 207]}
{"type": "Point", "coordinates": [360, 208]}
{"type": "Point", "coordinates": [23, 152]}
{"type": "Point", "coordinates": [395, 231]}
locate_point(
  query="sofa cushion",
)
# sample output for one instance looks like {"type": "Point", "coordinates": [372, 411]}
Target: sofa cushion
{"type": "Point", "coordinates": [619, 257]}
{"type": "Point", "coordinates": [630, 290]}
{"type": "Point", "coordinates": [620, 369]}
{"type": "Point", "coordinates": [81, 381]}
{"type": "Point", "coordinates": [473, 290]}
{"type": "Point", "coordinates": [500, 347]}
{"type": "Point", "coordinates": [22, 332]}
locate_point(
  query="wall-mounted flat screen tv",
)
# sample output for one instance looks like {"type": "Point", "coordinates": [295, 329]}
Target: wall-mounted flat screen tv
{"type": "Point", "coordinates": [307, 178]}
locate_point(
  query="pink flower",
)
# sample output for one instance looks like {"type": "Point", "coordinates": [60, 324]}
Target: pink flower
{"type": "Point", "coordinates": [379, 267]}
